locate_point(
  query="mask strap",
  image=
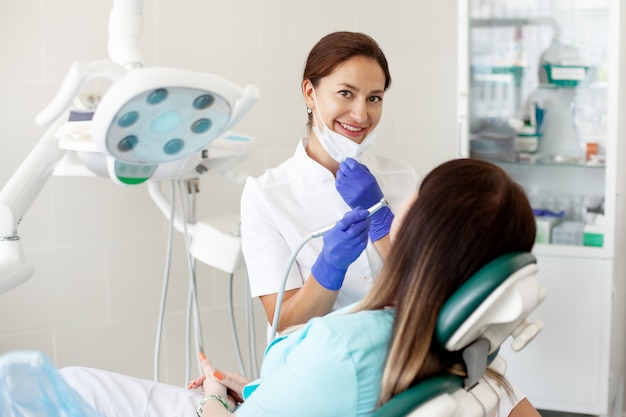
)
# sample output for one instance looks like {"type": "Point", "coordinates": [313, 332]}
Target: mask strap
{"type": "Point", "coordinates": [317, 110]}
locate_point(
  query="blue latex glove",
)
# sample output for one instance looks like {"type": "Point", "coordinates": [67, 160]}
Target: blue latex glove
{"type": "Point", "coordinates": [342, 245]}
{"type": "Point", "coordinates": [358, 188]}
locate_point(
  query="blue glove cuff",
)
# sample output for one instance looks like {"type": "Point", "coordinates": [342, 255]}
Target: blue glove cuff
{"type": "Point", "coordinates": [380, 223]}
{"type": "Point", "coordinates": [327, 276]}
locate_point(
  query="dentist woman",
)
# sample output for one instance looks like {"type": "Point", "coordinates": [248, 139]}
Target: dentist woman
{"type": "Point", "coordinates": [345, 79]}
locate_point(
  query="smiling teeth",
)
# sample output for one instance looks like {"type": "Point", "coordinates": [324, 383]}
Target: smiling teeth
{"type": "Point", "coordinates": [351, 128]}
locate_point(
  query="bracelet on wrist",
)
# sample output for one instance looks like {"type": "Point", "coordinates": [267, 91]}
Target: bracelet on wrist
{"type": "Point", "coordinates": [212, 397]}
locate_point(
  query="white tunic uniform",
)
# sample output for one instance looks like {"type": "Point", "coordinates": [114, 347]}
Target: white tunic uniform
{"type": "Point", "coordinates": [284, 205]}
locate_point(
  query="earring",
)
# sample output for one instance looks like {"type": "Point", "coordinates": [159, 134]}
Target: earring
{"type": "Point", "coordinates": [308, 110]}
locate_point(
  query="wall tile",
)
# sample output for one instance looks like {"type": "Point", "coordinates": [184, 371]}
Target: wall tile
{"type": "Point", "coordinates": [218, 343]}
{"type": "Point", "coordinates": [41, 341]}
{"type": "Point", "coordinates": [20, 103]}
{"type": "Point", "coordinates": [73, 31]}
{"type": "Point", "coordinates": [211, 43]}
{"type": "Point", "coordinates": [68, 288]}
{"type": "Point", "coordinates": [20, 40]}
{"type": "Point", "coordinates": [96, 209]}
{"type": "Point", "coordinates": [137, 271]}
{"type": "Point", "coordinates": [122, 346]}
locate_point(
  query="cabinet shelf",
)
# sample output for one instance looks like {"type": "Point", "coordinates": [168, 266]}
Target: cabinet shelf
{"type": "Point", "coordinates": [553, 161]}
{"type": "Point", "coordinates": [571, 251]}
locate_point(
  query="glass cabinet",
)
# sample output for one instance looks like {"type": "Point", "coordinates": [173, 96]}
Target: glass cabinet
{"type": "Point", "coordinates": [540, 94]}
{"type": "Point", "coordinates": [538, 80]}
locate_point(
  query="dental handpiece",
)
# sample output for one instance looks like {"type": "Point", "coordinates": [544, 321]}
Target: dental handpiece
{"type": "Point", "coordinates": [382, 203]}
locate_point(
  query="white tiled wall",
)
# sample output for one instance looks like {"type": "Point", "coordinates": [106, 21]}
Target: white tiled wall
{"type": "Point", "coordinates": [99, 249]}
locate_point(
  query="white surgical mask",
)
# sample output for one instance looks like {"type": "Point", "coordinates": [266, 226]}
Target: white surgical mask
{"type": "Point", "coordinates": [338, 146]}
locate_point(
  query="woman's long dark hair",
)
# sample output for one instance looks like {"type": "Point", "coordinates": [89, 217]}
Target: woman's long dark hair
{"type": "Point", "coordinates": [467, 213]}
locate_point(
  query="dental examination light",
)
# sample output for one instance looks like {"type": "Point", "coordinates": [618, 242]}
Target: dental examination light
{"type": "Point", "coordinates": [150, 123]}
{"type": "Point", "coordinates": [315, 234]}
{"type": "Point", "coordinates": [152, 116]}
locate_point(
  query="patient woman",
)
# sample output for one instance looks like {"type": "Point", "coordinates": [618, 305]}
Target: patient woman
{"type": "Point", "coordinates": [351, 361]}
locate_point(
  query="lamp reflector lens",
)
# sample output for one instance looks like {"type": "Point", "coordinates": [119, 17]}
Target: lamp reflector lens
{"type": "Point", "coordinates": [201, 125]}
{"type": "Point", "coordinates": [128, 119]}
{"type": "Point", "coordinates": [128, 143]}
{"type": "Point", "coordinates": [157, 96]}
{"type": "Point", "coordinates": [173, 146]}
{"type": "Point", "coordinates": [204, 101]}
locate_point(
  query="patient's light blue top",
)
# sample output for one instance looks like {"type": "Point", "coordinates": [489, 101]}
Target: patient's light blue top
{"type": "Point", "coordinates": [330, 367]}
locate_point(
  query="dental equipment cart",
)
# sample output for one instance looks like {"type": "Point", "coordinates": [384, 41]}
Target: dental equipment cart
{"type": "Point", "coordinates": [541, 93]}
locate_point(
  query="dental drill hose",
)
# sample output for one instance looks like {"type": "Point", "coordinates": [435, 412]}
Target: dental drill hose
{"type": "Point", "coordinates": [317, 233]}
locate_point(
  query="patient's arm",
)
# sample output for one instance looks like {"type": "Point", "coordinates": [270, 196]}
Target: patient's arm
{"type": "Point", "coordinates": [524, 409]}
{"type": "Point", "coordinates": [217, 401]}
{"type": "Point", "coordinates": [234, 383]}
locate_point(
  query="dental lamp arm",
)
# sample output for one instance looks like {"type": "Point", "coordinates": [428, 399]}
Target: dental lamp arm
{"type": "Point", "coordinates": [125, 29]}
{"type": "Point", "coordinates": [16, 197]}
{"type": "Point", "coordinates": [78, 73]}
{"type": "Point", "coordinates": [26, 183]}
{"type": "Point", "coordinates": [249, 96]}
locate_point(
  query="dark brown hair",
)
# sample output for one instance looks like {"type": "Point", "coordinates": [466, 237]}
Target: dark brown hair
{"type": "Point", "coordinates": [338, 47]}
{"type": "Point", "coordinates": [467, 213]}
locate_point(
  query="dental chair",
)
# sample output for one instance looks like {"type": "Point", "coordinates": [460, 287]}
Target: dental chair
{"type": "Point", "coordinates": [491, 306]}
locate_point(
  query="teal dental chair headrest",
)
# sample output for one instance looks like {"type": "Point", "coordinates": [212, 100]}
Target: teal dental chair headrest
{"type": "Point", "coordinates": [457, 318]}
{"type": "Point", "coordinates": [491, 306]}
